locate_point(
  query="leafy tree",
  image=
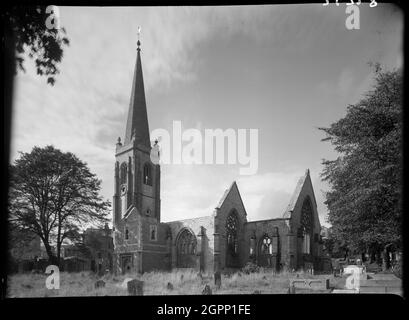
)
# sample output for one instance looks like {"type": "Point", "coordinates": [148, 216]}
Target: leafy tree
{"type": "Point", "coordinates": [26, 29]}
{"type": "Point", "coordinates": [365, 198]}
{"type": "Point", "coordinates": [53, 194]}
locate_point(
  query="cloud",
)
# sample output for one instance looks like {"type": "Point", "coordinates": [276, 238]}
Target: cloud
{"type": "Point", "coordinates": [266, 196]}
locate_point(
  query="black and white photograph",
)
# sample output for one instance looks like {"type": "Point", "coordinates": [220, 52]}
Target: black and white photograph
{"type": "Point", "coordinates": [203, 150]}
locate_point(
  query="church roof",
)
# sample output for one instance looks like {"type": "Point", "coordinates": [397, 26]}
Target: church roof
{"type": "Point", "coordinates": [137, 123]}
{"type": "Point", "coordinates": [296, 194]}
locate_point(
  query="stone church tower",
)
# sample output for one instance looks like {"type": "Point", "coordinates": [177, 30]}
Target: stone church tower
{"type": "Point", "coordinates": [136, 201]}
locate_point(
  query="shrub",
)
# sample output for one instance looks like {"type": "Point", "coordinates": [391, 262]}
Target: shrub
{"type": "Point", "coordinates": [397, 269]}
{"type": "Point", "coordinates": [250, 267]}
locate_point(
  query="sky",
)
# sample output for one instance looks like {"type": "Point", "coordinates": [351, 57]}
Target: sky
{"type": "Point", "coordinates": [284, 70]}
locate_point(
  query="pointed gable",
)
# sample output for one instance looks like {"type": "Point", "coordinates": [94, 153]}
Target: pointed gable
{"type": "Point", "coordinates": [137, 123]}
{"type": "Point", "coordinates": [303, 183]}
{"type": "Point", "coordinates": [231, 192]}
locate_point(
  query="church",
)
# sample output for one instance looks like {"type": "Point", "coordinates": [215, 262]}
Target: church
{"type": "Point", "coordinates": [222, 241]}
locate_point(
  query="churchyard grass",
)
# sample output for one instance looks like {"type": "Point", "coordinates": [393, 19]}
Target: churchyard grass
{"type": "Point", "coordinates": [156, 283]}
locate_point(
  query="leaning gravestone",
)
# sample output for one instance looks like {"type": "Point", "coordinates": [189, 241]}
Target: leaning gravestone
{"type": "Point", "coordinates": [207, 290]}
{"type": "Point", "coordinates": [218, 279]}
{"type": "Point", "coordinates": [135, 287]}
{"type": "Point", "coordinates": [99, 284]}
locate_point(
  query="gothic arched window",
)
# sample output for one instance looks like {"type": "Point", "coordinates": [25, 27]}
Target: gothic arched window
{"type": "Point", "coordinates": [252, 245]}
{"type": "Point", "coordinates": [147, 174]}
{"type": "Point", "coordinates": [126, 234]}
{"type": "Point", "coordinates": [307, 225]}
{"type": "Point", "coordinates": [231, 232]}
{"type": "Point", "coordinates": [186, 249]}
{"type": "Point", "coordinates": [123, 173]}
{"type": "Point", "coordinates": [266, 245]}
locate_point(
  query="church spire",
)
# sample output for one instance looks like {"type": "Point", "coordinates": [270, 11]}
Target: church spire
{"type": "Point", "coordinates": [137, 123]}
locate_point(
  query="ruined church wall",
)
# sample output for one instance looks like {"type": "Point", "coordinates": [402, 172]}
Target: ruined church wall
{"type": "Point", "coordinates": [296, 244]}
{"type": "Point", "coordinates": [259, 229]}
{"type": "Point", "coordinates": [232, 202]}
{"type": "Point", "coordinates": [205, 241]}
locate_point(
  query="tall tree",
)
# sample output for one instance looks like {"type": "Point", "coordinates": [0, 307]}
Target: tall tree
{"type": "Point", "coordinates": [364, 201]}
{"type": "Point", "coordinates": [53, 194]}
{"type": "Point", "coordinates": [34, 31]}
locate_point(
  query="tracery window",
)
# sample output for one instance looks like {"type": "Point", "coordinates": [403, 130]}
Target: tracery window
{"type": "Point", "coordinates": [307, 225]}
{"type": "Point", "coordinates": [266, 245]}
{"type": "Point", "coordinates": [186, 249]}
{"type": "Point", "coordinates": [231, 233]}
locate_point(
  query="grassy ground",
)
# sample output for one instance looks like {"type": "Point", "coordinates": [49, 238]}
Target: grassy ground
{"type": "Point", "coordinates": [155, 283]}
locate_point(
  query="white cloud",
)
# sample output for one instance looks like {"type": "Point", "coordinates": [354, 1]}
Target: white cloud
{"type": "Point", "coordinates": [265, 196]}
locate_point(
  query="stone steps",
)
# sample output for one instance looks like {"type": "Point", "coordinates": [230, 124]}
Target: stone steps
{"type": "Point", "coordinates": [380, 283]}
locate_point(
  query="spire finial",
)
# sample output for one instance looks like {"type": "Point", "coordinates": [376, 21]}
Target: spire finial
{"type": "Point", "coordinates": [139, 42]}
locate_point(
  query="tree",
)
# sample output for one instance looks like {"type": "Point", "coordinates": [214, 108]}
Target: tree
{"type": "Point", "coordinates": [31, 30]}
{"type": "Point", "coordinates": [364, 201]}
{"type": "Point", "coordinates": [53, 194]}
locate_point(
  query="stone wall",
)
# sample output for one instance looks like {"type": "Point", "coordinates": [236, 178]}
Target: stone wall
{"type": "Point", "coordinates": [203, 229]}
{"type": "Point", "coordinates": [300, 259]}
{"type": "Point", "coordinates": [276, 229]}
{"type": "Point", "coordinates": [231, 202]}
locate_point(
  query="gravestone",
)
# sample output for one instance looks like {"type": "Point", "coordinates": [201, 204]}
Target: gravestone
{"type": "Point", "coordinates": [135, 287]}
{"type": "Point", "coordinates": [218, 279]}
{"type": "Point", "coordinates": [310, 284]}
{"type": "Point", "coordinates": [170, 286]}
{"type": "Point", "coordinates": [99, 284]}
{"type": "Point", "coordinates": [207, 290]}
{"type": "Point", "coordinates": [291, 289]}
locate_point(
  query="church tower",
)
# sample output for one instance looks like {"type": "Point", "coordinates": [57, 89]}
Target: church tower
{"type": "Point", "coordinates": [137, 179]}
{"type": "Point", "coordinates": [136, 201]}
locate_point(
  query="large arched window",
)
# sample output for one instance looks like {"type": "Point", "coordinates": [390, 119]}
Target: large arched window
{"type": "Point", "coordinates": [266, 245]}
{"type": "Point", "coordinates": [123, 173]}
{"type": "Point", "coordinates": [307, 225]}
{"type": "Point", "coordinates": [147, 174]}
{"type": "Point", "coordinates": [231, 233]}
{"type": "Point", "coordinates": [186, 249]}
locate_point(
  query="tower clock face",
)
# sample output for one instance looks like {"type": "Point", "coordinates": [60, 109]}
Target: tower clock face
{"type": "Point", "coordinates": [123, 190]}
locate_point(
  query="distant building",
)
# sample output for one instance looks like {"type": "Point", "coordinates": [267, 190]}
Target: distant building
{"type": "Point", "coordinates": [24, 249]}
{"type": "Point", "coordinates": [93, 253]}
{"type": "Point", "coordinates": [101, 245]}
